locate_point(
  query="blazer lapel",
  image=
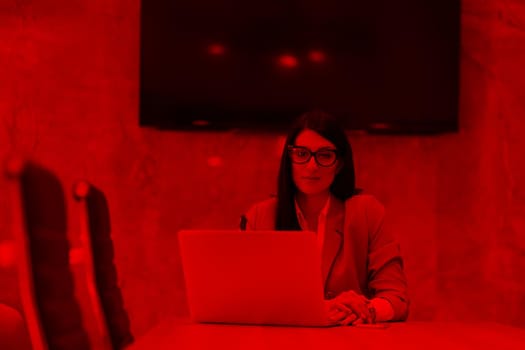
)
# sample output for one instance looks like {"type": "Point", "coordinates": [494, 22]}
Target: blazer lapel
{"type": "Point", "coordinates": [333, 238]}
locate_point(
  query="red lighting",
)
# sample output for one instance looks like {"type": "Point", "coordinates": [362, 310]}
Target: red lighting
{"type": "Point", "coordinates": [317, 56]}
{"type": "Point", "coordinates": [380, 126]}
{"type": "Point", "coordinates": [216, 49]}
{"type": "Point", "coordinates": [288, 61]}
{"type": "Point", "coordinates": [200, 122]}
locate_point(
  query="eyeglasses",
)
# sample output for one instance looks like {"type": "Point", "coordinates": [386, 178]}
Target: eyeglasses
{"type": "Point", "coordinates": [302, 155]}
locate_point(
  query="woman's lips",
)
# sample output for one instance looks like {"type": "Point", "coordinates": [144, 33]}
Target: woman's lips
{"type": "Point", "coordinates": [311, 178]}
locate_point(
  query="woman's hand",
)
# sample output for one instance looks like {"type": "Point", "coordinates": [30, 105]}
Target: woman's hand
{"type": "Point", "coordinates": [349, 308]}
{"type": "Point", "coordinates": [337, 313]}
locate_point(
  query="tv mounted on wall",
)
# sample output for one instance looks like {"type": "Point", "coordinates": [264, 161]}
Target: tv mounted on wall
{"type": "Point", "coordinates": [382, 66]}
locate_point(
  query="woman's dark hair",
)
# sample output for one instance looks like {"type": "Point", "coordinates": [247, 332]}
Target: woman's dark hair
{"type": "Point", "coordinates": [343, 186]}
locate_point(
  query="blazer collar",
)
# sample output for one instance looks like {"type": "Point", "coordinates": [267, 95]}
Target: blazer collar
{"type": "Point", "coordinates": [333, 238]}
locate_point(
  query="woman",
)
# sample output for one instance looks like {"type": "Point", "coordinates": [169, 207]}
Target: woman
{"type": "Point", "coordinates": [361, 262]}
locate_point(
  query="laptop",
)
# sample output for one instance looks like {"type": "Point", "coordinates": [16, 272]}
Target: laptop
{"type": "Point", "coordinates": [253, 277]}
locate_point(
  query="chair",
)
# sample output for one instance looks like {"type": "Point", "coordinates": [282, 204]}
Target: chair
{"type": "Point", "coordinates": [13, 332]}
{"type": "Point", "coordinates": [46, 282]}
{"type": "Point", "coordinates": [96, 232]}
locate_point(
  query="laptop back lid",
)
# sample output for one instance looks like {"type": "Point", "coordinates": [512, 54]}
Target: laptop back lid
{"type": "Point", "coordinates": [253, 277]}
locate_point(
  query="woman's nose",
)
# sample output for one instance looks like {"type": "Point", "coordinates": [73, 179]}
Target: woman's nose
{"type": "Point", "coordinates": [312, 164]}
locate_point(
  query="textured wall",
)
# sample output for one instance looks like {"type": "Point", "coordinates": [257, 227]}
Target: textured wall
{"type": "Point", "coordinates": [69, 97]}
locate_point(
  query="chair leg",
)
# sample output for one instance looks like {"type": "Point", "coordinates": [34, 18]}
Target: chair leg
{"type": "Point", "coordinates": [24, 273]}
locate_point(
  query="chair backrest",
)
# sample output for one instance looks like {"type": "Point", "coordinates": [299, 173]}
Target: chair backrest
{"type": "Point", "coordinates": [47, 289]}
{"type": "Point", "coordinates": [97, 231]}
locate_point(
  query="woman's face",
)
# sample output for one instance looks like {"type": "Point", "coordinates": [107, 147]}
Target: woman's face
{"type": "Point", "coordinates": [309, 176]}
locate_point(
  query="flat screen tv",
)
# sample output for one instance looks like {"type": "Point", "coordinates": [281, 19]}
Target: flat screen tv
{"type": "Point", "coordinates": [383, 66]}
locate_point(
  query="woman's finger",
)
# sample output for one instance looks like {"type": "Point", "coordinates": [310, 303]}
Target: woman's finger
{"type": "Point", "coordinates": [348, 319]}
{"type": "Point", "coordinates": [358, 322]}
{"type": "Point", "coordinates": [337, 315]}
{"type": "Point", "coordinates": [355, 305]}
{"type": "Point", "coordinates": [343, 307]}
{"type": "Point", "coordinates": [364, 311]}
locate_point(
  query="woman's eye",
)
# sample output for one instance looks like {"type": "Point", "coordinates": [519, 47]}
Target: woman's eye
{"type": "Point", "coordinates": [325, 155]}
{"type": "Point", "coordinates": [302, 154]}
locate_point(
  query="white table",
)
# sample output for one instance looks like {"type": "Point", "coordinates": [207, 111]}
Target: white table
{"type": "Point", "coordinates": [182, 334]}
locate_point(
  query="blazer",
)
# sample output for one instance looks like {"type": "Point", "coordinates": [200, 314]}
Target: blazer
{"type": "Point", "coordinates": [359, 252]}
